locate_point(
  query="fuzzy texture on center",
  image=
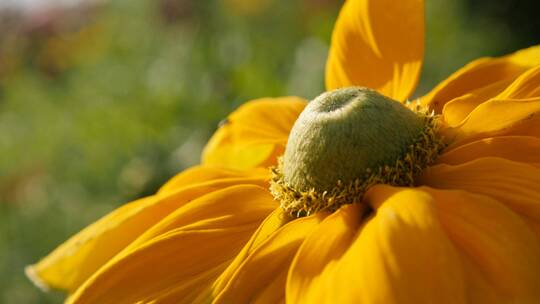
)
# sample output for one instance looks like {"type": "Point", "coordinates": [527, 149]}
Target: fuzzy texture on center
{"type": "Point", "coordinates": [342, 133]}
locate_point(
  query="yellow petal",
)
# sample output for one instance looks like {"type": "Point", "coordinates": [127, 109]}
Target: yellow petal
{"type": "Point", "coordinates": [201, 211]}
{"type": "Point", "coordinates": [183, 254]}
{"type": "Point", "coordinates": [527, 85]}
{"type": "Point", "coordinates": [254, 135]}
{"type": "Point", "coordinates": [400, 255]}
{"type": "Point", "coordinates": [320, 254]}
{"type": "Point", "coordinates": [273, 222]}
{"type": "Point", "coordinates": [68, 266]}
{"type": "Point", "coordinates": [378, 44]}
{"type": "Point", "coordinates": [512, 183]}
{"type": "Point", "coordinates": [501, 254]}
{"type": "Point", "coordinates": [420, 246]}
{"type": "Point", "coordinates": [202, 174]}
{"type": "Point", "coordinates": [524, 149]}
{"type": "Point", "coordinates": [498, 117]}
{"type": "Point", "coordinates": [262, 274]}
{"type": "Point", "coordinates": [458, 108]}
{"type": "Point", "coordinates": [482, 73]}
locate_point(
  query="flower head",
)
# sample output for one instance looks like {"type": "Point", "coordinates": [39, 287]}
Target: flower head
{"type": "Point", "coordinates": [442, 208]}
{"type": "Point", "coordinates": [346, 141]}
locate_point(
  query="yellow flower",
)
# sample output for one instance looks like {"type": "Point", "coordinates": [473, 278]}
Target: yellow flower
{"type": "Point", "coordinates": [468, 232]}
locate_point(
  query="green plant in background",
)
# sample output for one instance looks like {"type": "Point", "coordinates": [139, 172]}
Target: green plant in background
{"type": "Point", "coordinates": [106, 103]}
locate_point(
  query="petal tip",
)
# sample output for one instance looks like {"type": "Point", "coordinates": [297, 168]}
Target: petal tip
{"type": "Point", "coordinates": [33, 276]}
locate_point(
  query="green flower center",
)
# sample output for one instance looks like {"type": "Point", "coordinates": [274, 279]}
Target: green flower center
{"type": "Point", "coordinates": [347, 140]}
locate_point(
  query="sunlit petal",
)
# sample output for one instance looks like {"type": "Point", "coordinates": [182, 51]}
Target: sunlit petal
{"type": "Point", "coordinates": [254, 135]}
{"type": "Point", "coordinates": [73, 262]}
{"type": "Point", "coordinates": [458, 108]}
{"type": "Point", "coordinates": [262, 274]}
{"type": "Point", "coordinates": [498, 117]}
{"type": "Point", "coordinates": [272, 223]}
{"type": "Point", "coordinates": [400, 255]}
{"type": "Point", "coordinates": [524, 149]}
{"type": "Point", "coordinates": [421, 246]}
{"type": "Point", "coordinates": [512, 183]}
{"type": "Point", "coordinates": [378, 44]}
{"type": "Point", "coordinates": [500, 252]}
{"type": "Point", "coordinates": [527, 85]}
{"type": "Point", "coordinates": [184, 253]}
{"type": "Point", "coordinates": [212, 174]}
{"type": "Point", "coordinates": [482, 73]}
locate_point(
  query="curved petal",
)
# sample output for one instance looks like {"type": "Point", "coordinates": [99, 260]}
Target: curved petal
{"type": "Point", "coordinates": [254, 135]}
{"type": "Point", "coordinates": [400, 255]}
{"type": "Point", "coordinates": [272, 223]}
{"type": "Point", "coordinates": [275, 220]}
{"type": "Point", "coordinates": [262, 274]}
{"type": "Point", "coordinates": [525, 149]}
{"type": "Point", "coordinates": [205, 174]}
{"type": "Point", "coordinates": [184, 253]}
{"type": "Point", "coordinates": [498, 117]}
{"type": "Point", "coordinates": [458, 108]}
{"type": "Point", "coordinates": [512, 183]}
{"type": "Point", "coordinates": [527, 85]}
{"type": "Point", "coordinates": [378, 44]}
{"type": "Point", "coordinates": [500, 252]}
{"type": "Point", "coordinates": [329, 242]}
{"type": "Point", "coordinates": [420, 246]}
{"type": "Point", "coordinates": [68, 266]}
{"type": "Point", "coordinates": [482, 73]}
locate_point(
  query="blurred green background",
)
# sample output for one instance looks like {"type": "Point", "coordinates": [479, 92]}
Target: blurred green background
{"type": "Point", "coordinates": [103, 101]}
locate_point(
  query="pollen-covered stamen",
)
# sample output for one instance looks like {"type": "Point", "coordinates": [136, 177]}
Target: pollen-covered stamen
{"type": "Point", "coordinates": [347, 140]}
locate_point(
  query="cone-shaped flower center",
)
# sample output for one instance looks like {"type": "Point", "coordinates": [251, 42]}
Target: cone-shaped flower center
{"type": "Point", "coordinates": [342, 133]}
{"type": "Point", "coordinates": [346, 140]}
